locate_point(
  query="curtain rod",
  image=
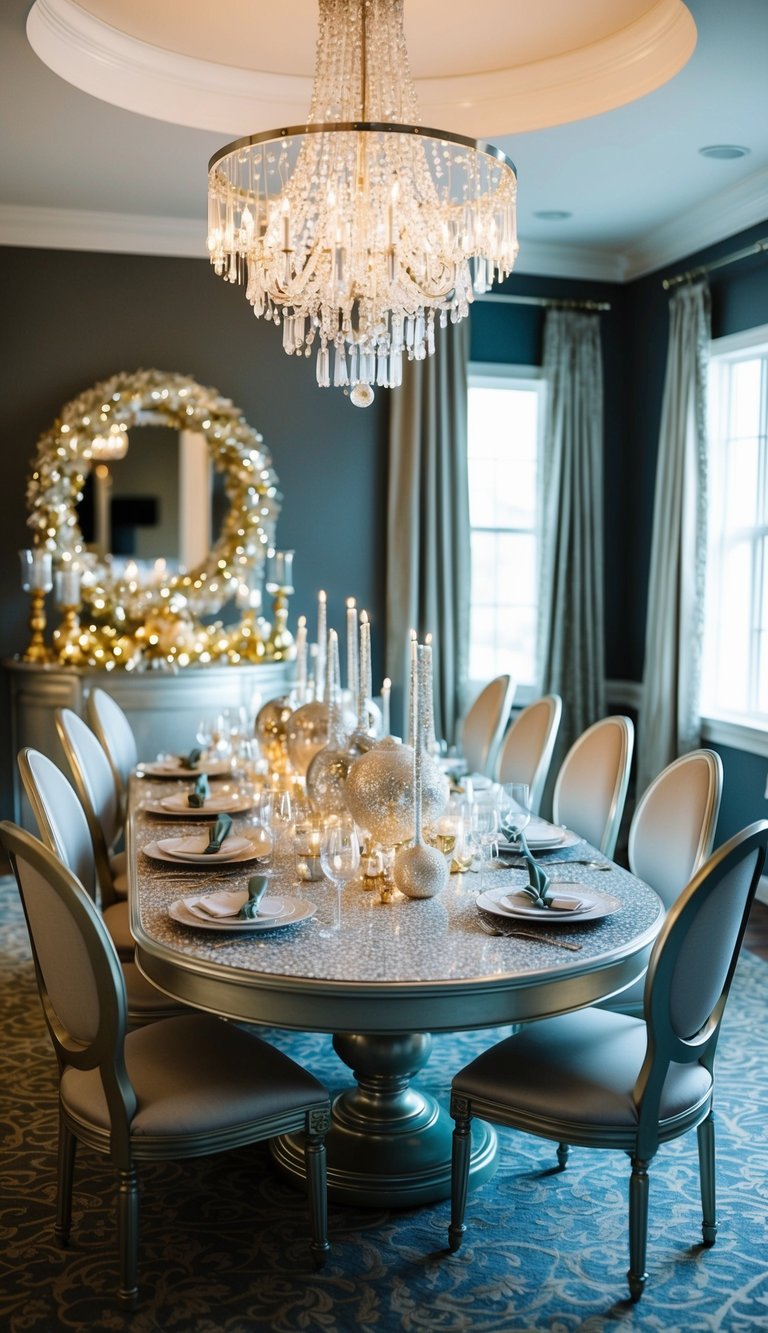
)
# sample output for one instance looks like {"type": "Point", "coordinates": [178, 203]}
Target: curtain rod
{"type": "Point", "coordinates": [758, 248]}
{"type": "Point", "coordinates": [550, 301]}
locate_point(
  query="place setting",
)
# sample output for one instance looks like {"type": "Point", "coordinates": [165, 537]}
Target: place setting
{"type": "Point", "coordinates": [196, 761]}
{"type": "Point", "coordinates": [241, 910]}
{"type": "Point", "coordinates": [199, 802]}
{"type": "Point", "coordinates": [217, 846]}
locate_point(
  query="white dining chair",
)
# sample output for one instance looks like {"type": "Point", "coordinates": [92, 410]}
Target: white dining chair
{"type": "Point", "coordinates": [95, 785]}
{"type": "Point", "coordinates": [63, 827]}
{"type": "Point", "coordinates": [526, 751]}
{"type": "Point", "coordinates": [591, 785]}
{"type": "Point", "coordinates": [484, 724]}
{"type": "Point", "coordinates": [184, 1087]}
{"type": "Point", "coordinates": [110, 724]}
{"type": "Point", "coordinates": [671, 835]}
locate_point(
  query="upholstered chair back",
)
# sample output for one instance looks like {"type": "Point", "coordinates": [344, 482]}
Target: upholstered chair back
{"type": "Point", "coordinates": [484, 725]}
{"type": "Point", "coordinates": [526, 751]}
{"type": "Point", "coordinates": [114, 731]}
{"type": "Point", "coordinates": [591, 785]}
{"type": "Point", "coordinates": [59, 815]}
{"type": "Point", "coordinates": [92, 776]}
{"type": "Point", "coordinates": [673, 826]}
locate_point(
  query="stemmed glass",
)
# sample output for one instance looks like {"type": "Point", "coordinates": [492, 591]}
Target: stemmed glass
{"type": "Point", "coordinates": [339, 858]}
{"type": "Point", "coordinates": [514, 804]}
{"type": "Point", "coordinates": [485, 830]}
{"type": "Point", "coordinates": [277, 815]}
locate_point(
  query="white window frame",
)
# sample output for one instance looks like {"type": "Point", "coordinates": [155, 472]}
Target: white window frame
{"type": "Point", "coordinates": [488, 375]}
{"type": "Point", "coordinates": [720, 727]}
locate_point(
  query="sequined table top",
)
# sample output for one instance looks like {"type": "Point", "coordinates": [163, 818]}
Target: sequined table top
{"type": "Point", "coordinates": [409, 964]}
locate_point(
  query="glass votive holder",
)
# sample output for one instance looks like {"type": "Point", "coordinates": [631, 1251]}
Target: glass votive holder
{"type": "Point", "coordinates": [306, 845]}
{"type": "Point", "coordinates": [66, 583]}
{"type": "Point", "coordinates": [36, 570]}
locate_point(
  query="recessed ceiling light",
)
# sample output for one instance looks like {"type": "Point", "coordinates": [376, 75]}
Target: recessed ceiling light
{"type": "Point", "coordinates": [724, 151]}
{"type": "Point", "coordinates": [553, 214]}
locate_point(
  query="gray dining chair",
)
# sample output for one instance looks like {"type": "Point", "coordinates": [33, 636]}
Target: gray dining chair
{"type": "Point", "coordinates": [671, 835]}
{"type": "Point", "coordinates": [605, 1080]}
{"type": "Point", "coordinates": [63, 827]}
{"type": "Point", "coordinates": [484, 724]}
{"type": "Point", "coordinates": [591, 785]}
{"type": "Point", "coordinates": [183, 1087]}
{"type": "Point", "coordinates": [526, 751]}
{"type": "Point", "coordinates": [92, 777]}
{"type": "Point", "coordinates": [110, 725]}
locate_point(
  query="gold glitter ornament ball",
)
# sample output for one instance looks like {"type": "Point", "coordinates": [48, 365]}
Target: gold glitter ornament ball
{"type": "Point", "coordinates": [307, 733]}
{"type": "Point", "coordinates": [271, 723]}
{"type": "Point", "coordinates": [379, 792]}
{"type": "Point", "coordinates": [420, 871]}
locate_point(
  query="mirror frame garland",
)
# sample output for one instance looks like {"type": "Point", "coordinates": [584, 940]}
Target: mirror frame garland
{"type": "Point", "coordinates": [126, 623]}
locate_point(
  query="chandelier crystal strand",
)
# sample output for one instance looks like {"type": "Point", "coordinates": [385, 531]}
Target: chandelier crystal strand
{"type": "Point", "coordinates": [361, 229]}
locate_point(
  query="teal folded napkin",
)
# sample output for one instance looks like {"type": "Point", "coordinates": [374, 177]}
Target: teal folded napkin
{"type": "Point", "coordinates": [190, 760]}
{"type": "Point", "coordinates": [199, 795]}
{"type": "Point", "coordinates": [219, 831]}
{"type": "Point", "coordinates": [537, 887]}
{"type": "Point", "coordinates": [257, 885]}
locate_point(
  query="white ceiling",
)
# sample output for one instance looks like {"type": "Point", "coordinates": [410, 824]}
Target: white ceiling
{"type": "Point", "coordinates": [80, 173]}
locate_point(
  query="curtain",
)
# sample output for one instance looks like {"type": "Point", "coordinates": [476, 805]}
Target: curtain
{"type": "Point", "coordinates": [570, 637]}
{"type": "Point", "coordinates": [669, 722]}
{"type": "Point", "coordinates": [428, 542]}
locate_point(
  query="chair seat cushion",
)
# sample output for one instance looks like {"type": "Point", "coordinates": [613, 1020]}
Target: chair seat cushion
{"type": "Point", "coordinates": [145, 1001]}
{"type": "Point", "coordinates": [195, 1075]}
{"type": "Point", "coordinates": [116, 920]}
{"type": "Point", "coordinates": [117, 865]}
{"type": "Point", "coordinates": [581, 1067]}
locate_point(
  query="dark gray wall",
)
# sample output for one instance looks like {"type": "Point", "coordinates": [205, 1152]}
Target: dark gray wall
{"type": "Point", "coordinates": [70, 319]}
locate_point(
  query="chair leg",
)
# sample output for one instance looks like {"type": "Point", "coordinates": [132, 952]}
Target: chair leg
{"type": "Point", "coordinates": [66, 1167]}
{"type": "Point", "coordinates": [315, 1162]}
{"type": "Point", "coordinates": [562, 1155]}
{"type": "Point", "coordinates": [705, 1134]}
{"type": "Point", "coordinates": [638, 1227]}
{"type": "Point", "coordinates": [462, 1145]}
{"type": "Point", "coordinates": [128, 1236]}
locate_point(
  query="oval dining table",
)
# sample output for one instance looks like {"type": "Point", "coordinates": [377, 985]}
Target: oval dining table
{"type": "Point", "coordinates": [393, 974]}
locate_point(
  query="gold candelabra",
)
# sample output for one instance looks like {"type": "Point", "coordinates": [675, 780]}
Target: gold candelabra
{"type": "Point", "coordinates": [36, 579]}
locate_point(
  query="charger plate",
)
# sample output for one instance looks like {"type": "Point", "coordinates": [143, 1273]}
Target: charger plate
{"type": "Point", "coordinates": [246, 852]}
{"type": "Point", "coordinates": [299, 909]}
{"type": "Point", "coordinates": [503, 902]}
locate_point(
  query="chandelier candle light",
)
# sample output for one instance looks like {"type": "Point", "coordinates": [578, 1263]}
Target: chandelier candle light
{"type": "Point", "coordinates": [361, 229]}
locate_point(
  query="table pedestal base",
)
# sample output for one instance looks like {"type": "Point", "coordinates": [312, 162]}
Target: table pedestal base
{"type": "Point", "coordinates": [389, 1144]}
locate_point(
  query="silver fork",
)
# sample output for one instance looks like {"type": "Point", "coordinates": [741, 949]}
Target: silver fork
{"type": "Point", "coordinates": [513, 932]}
{"type": "Point", "coordinates": [563, 861]}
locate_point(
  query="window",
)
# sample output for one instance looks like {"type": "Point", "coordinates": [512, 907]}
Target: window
{"type": "Point", "coordinates": [505, 422]}
{"type": "Point", "coordinates": [735, 663]}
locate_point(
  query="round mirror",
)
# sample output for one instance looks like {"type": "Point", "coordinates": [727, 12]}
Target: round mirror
{"type": "Point", "coordinates": [76, 510]}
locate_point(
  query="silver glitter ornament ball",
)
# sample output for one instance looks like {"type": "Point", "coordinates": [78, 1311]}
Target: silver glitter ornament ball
{"type": "Point", "coordinates": [420, 871]}
{"type": "Point", "coordinates": [307, 734]}
{"type": "Point", "coordinates": [327, 780]}
{"type": "Point", "coordinates": [379, 792]}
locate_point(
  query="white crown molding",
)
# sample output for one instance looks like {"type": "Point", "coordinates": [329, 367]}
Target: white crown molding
{"type": "Point", "coordinates": [722, 215]}
{"type": "Point", "coordinates": [104, 233]}
{"type": "Point", "coordinates": [546, 259]}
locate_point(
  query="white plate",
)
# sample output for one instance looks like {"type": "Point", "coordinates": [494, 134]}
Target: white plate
{"type": "Point", "coordinates": [172, 768]}
{"type": "Point", "coordinates": [500, 903]}
{"type": "Point", "coordinates": [247, 852]}
{"type": "Point", "coordinates": [299, 909]}
{"type": "Point", "coordinates": [543, 842]}
{"type": "Point", "coordinates": [230, 803]}
{"type": "Point", "coordinates": [270, 909]}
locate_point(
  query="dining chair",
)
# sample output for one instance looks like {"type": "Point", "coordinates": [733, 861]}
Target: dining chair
{"type": "Point", "coordinates": [63, 827]}
{"type": "Point", "coordinates": [110, 724]}
{"type": "Point", "coordinates": [183, 1087]}
{"type": "Point", "coordinates": [94, 784]}
{"type": "Point", "coordinates": [605, 1080]}
{"type": "Point", "coordinates": [671, 835]}
{"type": "Point", "coordinates": [484, 723]}
{"type": "Point", "coordinates": [591, 784]}
{"type": "Point", "coordinates": [526, 751]}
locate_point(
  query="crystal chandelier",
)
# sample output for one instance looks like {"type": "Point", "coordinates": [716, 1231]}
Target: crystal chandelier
{"type": "Point", "coordinates": [361, 229]}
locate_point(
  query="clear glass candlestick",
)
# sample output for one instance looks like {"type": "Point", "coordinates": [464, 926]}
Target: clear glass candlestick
{"type": "Point", "coordinates": [37, 580]}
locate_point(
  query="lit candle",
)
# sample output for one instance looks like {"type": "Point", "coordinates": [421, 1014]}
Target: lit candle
{"type": "Point", "coordinates": [321, 646]}
{"type": "Point", "coordinates": [386, 691]}
{"type": "Point", "coordinates": [364, 693]}
{"type": "Point", "coordinates": [301, 659]}
{"type": "Point", "coordinates": [67, 586]}
{"type": "Point", "coordinates": [353, 664]}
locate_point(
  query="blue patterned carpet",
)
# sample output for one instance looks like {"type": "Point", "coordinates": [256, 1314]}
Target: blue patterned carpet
{"type": "Point", "coordinates": [223, 1240]}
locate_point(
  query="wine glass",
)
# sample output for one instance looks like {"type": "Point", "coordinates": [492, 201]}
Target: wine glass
{"type": "Point", "coordinates": [339, 857]}
{"type": "Point", "coordinates": [485, 825]}
{"type": "Point", "coordinates": [514, 803]}
{"type": "Point", "coordinates": [277, 815]}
